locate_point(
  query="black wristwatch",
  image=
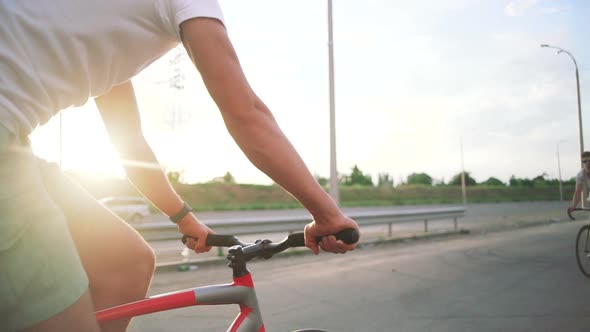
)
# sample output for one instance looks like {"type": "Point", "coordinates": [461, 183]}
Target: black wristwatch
{"type": "Point", "coordinates": [186, 209]}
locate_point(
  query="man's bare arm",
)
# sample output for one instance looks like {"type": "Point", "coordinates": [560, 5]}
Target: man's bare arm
{"type": "Point", "coordinates": [120, 114]}
{"type": "Point", "coordinates": [577, 195]}
{"type": "Point", "coordinates": [118, 109]}
{"type": "Point", "coordinates": [255, 130]}
{"type": "Point", "coordinates": [248, 120]}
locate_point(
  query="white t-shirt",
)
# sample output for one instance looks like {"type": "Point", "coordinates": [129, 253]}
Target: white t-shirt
{"type": "Point", "coordinates": [583, 179]}
{"type": "Point", "coordinates": [56, 54]}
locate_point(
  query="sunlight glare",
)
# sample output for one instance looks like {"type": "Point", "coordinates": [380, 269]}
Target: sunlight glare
{"type": "Point", "coordinates": [85, 149]}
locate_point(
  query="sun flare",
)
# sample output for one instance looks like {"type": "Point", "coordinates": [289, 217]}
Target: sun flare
{"type": "Point", "coordinates": [84, 146]}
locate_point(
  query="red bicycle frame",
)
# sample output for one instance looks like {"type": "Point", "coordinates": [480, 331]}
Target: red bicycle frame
{"type": "Point", "coordinates": [240, 292]}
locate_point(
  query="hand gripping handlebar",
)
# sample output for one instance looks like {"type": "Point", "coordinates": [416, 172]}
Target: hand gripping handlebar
{"type": "Point", "coordinates": [265, 248]}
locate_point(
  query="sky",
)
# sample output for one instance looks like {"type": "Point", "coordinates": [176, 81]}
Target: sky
{"type": "Point", "coordinates": [418, 85]}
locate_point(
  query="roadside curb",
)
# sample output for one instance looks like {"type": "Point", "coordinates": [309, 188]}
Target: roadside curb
{"type": "Point", "coordinates": [195, 263]}
{"type": "Point", "coordinates": [518, 224]}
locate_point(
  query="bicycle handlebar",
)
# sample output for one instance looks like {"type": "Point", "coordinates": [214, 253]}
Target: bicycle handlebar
{"type": "Point", "coordinates": [569, 212]}
{"type": "Point", "coordinates": [265, 248]}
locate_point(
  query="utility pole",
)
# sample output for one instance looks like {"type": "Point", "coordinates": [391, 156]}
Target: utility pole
{"type": "Point", "coordinates": [175, 116]}
{"type": "Point", "coordinates": [559, 51]}
{"type": "Point", "coordinates": [334, 189]}
{"type": "Point", "coordinates": [463, 187]}
{"type": "Point", "coordinates": [559, 171]}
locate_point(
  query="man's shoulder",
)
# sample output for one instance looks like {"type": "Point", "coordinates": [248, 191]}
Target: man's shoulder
{"type": "Point", "coordinates": [581, 176]}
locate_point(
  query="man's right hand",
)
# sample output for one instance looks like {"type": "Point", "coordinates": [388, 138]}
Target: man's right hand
{"type": "Point", "coordinates": [570, 209]}
{"type": "Point", "coordinates": [326, 230]}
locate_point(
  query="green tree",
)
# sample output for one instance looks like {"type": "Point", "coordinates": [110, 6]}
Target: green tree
{"type": "Point", "coordinates": [385, 180]}
{"type": "Point", "coordinates": [543, 181]}
{"type": "Point", "coordinates": [229, 178]}
{"type": "Point", "coordinates": [492, 181]}
{"type": "Point", "coordinates": [420, 178]}
{"type": "Point", "coordinates": [174, 177]}
{"type": "Point", "coordinates": [357, 177]}
{"type": "Point", "coordinates": [322, 180]}
{"type": "Point", "coordinates": [437, 182]}
{"type": "Point", "coordinates": [456, 180]}
{"type": "Point", "coordinates": [518, 182]}
{"type": "Point", "coordinates": [571, 181]}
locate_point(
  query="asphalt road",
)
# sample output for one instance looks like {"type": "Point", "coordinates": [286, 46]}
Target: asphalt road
{"type": "Point", "coordinates": [518, 280]}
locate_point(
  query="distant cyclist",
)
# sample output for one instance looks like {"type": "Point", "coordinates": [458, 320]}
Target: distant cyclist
{"type": "Point", "coordinates": [62, 254]}
{"type": "Point", "coordinates": [582, 181]}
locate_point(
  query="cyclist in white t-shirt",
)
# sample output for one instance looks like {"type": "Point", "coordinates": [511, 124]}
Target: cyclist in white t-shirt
{"type": "Point", "coordinates": [63, 255]}
{"type": "Point", "coordinates": [582, 181]}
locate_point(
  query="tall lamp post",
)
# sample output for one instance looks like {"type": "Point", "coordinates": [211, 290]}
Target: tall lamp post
{"type": "Point", "coordinates": [559, 172]}
{"type": "Point", "coordinates": [463, 187]}
{"type": "Point", "coordinates": [561, 50]}
{"type": "Point", "coordinates": [334, 190]}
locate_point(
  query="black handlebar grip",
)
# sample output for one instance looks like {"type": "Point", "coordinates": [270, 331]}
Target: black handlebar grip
{"type": "Point", "coordinates": [217, 240]}
{"type": "Point", "coordinates": [348, 236]}
{"type": "Point", "coordinates": [296, 240]}
{"type": "Point", "coordinates": [569, 213]}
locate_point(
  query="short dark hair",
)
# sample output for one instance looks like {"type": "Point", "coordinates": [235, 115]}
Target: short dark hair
{"type": "Point", "coordinates": [585, 154]}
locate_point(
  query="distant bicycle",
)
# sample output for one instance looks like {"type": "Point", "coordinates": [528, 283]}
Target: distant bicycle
{"type": "Point", "coordinates": [583, 245]}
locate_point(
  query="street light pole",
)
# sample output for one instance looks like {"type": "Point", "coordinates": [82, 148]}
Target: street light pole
{"type": "Point", "coordinates": [559, 172]}
{"type": "Point", "coordinates": [463, 185]}
{"type": "Point", "coordinates": [561, 50]}
{"type": "Point", "coordinates": [334, 190]}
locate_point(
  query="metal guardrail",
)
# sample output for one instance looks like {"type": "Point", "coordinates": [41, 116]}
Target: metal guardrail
{"type": "Point", "coordinates": [261, 225]}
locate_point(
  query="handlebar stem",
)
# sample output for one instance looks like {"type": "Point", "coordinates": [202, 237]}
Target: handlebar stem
{"type": "Point", "coordinates": [237, 261]}
{"type": "Point", "coordinates": [239, 255]}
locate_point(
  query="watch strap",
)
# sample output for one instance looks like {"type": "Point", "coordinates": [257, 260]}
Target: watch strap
{"type": "Point", "coordinates": [186, 209]}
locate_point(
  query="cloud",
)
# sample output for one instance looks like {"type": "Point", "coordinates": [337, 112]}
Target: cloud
{"type": "Point", "coordinates": [555, 10]}
{"type": "Point", "coordinates": [519, 7]}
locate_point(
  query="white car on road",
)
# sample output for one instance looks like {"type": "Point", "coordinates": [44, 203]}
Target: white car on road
{"type": "Point", "coordinates": [132, 209]}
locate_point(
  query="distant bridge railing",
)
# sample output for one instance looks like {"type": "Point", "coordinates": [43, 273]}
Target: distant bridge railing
{"type": "Point", "coordinates": [263, 225]}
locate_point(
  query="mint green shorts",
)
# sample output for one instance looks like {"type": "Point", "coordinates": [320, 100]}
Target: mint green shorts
{"type": "Point", "coordinates": [40, 270]}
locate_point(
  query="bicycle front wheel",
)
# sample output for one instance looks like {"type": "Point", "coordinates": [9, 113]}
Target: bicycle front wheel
{"type": "Point", "coordinates": [583, 250]}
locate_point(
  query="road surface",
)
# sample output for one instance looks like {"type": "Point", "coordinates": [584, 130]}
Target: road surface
{"type": "Point", "coordinates": [518, 280]}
